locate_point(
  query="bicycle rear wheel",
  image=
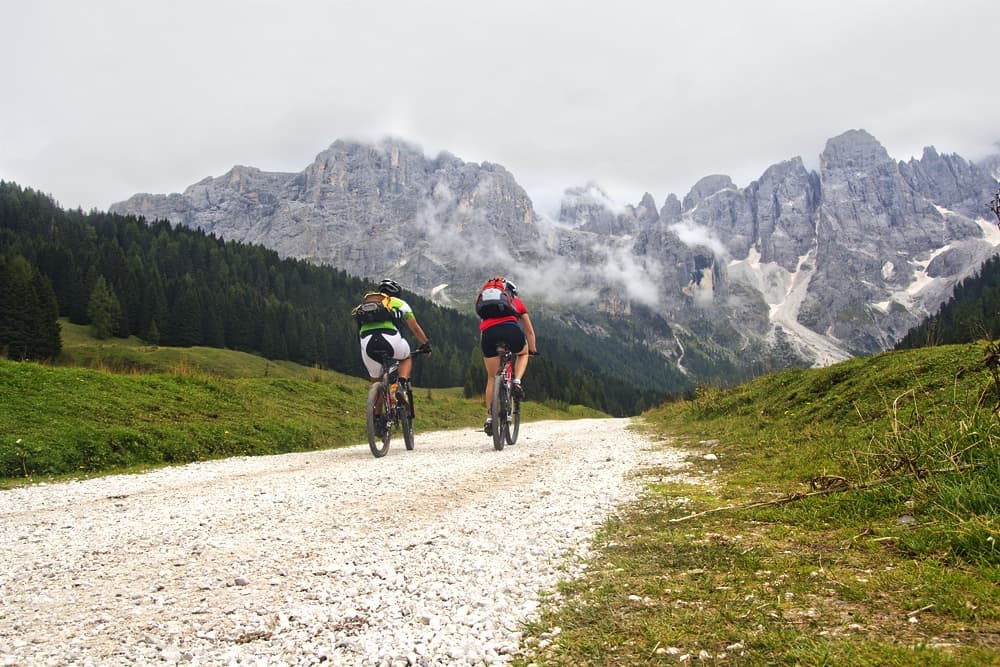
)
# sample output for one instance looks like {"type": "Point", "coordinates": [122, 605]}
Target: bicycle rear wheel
{"type": "Point", "coordinates": [498, 409]}
{"type": "Point", "coordinates": [377, 418]}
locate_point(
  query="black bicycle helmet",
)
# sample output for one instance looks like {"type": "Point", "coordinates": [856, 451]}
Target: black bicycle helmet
{"type": "Point", "coordinates": [390, 287]}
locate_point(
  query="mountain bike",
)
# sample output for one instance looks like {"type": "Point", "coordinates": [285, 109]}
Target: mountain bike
{"type": "Point", "coordinates": [388, 407]}
{"type": "Point", "coordinates": [505, 406]}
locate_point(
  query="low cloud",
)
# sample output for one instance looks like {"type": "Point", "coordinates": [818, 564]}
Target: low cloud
{"type": "Point", "coordinates": [557, 280]}
{"type": "Point", "coordinates": [606, 264]}
{"type": "Point", "coordinates": [592, 194]}
{"type": "Point", "coordinates": [446, 221]}
{"type": "Point", "coordinates": [638, 277]}
{"type": "Point", "coordinates": [449, 225]}
{"type": "Point", "coordinates": [694, 236]}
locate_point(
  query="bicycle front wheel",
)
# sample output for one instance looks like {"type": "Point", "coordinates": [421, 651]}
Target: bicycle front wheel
{"type": "Point", "coordinates": [498, 408]}
{"type": "Point", "coordinates": [406, 422]}
{"type": "Point", "coordinates": [515, 423]}
{"type": "Point", "coordinates": [378, 417]}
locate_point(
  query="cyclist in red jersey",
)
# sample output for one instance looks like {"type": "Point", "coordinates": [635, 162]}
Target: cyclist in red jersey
{"type": "Point", "coordinates": [517, 332]}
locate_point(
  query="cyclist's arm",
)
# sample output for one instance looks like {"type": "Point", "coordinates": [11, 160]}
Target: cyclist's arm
{"type": "Point", "coordinates": [529, 333]}
{"type": "Point", "coordinates": [415, 328]}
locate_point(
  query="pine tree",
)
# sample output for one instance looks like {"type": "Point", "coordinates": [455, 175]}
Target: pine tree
{"type": "Point", "coordinates": [29, 313]}
{"type": "Point", "coordinates": [152, 334]}
{"type": "Point", "coordinates": [48, 338]}
{"type": "Point", "coordinates": [17, 307]}
{"type": "Point", "coordinates": [185, 315]}
{"type": "Point", "coordinates": [103, 310]}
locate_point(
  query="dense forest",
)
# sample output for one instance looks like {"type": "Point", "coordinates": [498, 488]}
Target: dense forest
{"type": "Point", "coordinates": [168, 285]}
{"type": "Point", "coordinates": [972, 313]}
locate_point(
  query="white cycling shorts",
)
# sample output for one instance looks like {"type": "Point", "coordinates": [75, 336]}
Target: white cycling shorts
{"type": "Point", "coordinates": [376, 341]}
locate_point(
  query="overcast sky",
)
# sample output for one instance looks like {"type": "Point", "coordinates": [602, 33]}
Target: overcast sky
{"type": "Point", "coordinates": [103, 99]}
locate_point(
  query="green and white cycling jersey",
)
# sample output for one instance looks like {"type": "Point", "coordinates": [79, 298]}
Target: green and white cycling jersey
{"type": "Point", "coordinates": [400, 309]}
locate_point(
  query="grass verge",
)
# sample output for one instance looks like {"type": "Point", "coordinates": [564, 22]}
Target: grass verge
{"type": "Point", "coordinates": [846, 516]}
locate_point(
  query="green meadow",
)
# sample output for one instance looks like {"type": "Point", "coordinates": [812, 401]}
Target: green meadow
{"type": "Point", "coordinates": [120, 405]}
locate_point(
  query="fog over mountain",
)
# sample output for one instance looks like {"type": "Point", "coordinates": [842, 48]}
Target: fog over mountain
{"type": "Point", "coordinates": [799, 267]}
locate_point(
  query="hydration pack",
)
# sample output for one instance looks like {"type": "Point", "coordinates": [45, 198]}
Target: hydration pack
{"type": "Point", "coordinates": [494, 300]}
{"type": "Point", "coordinates": [374, 307]}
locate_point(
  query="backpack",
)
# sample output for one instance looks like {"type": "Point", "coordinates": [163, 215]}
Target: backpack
{"type": "Point", "coordinates": [494, 300]}
{"type": "Point", "coordinates": [374, 307]}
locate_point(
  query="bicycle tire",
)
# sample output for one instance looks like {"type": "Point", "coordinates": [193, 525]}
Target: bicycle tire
{"type": "Point", "coordinates": [505, 410]}
{"type": "Point", "coordinates": [406, 422]}
{"type": "Point", "coordinates": [499, 415]}
{"type": "Point", "coordinates": [515, 423]}
{"type": "Point", "coordinates": [378, 433]}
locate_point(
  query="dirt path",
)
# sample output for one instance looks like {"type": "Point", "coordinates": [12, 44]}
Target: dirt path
{"type": "Point", "coordinates": [433, 554]}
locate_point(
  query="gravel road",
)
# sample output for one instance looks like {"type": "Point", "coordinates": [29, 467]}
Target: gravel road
{"type": "Point", "coordinates": [428, 557]}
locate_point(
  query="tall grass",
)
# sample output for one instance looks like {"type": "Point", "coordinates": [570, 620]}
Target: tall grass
{"type": "Point", "coordinates": [947, 473]}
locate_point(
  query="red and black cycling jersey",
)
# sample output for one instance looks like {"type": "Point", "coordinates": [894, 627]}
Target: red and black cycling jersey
{"type": "Point", "coordinates": [493, 321]}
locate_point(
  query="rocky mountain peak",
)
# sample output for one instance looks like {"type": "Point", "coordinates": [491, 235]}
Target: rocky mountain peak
{"type": "Point", "coordinates": [672, 209]}
{"type": "Point", "coordinates": [798, 267]}
{"type": "Point", "coordinates": [645, 212]}
{"type": "Point", "coordinates": [951, 181]}
{"type": "Point", "coordinates": [589, 208]}
{"type": "Point", "coordinates": [706, 187]}
{"type": "Point", "coordinates": [852, 150]}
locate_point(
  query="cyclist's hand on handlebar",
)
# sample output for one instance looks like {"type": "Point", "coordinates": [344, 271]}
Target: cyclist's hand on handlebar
{"type": "Point", "coordinates": [425, 348]}
{"type": "Point", "coordinates": [533, 353]}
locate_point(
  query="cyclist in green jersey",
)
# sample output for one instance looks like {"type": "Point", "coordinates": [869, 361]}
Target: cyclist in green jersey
{"type": "Point", "coordinates": [383, 337]}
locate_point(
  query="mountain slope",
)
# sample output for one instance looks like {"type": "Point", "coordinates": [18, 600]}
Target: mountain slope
{"type": "Point", "coordinates": [797, 268]}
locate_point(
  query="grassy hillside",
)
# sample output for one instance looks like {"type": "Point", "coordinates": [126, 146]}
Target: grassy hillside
{"type": "Point", "coordinates": [113, 406]}
{"type": "Point", "coordinates": [848, 516]}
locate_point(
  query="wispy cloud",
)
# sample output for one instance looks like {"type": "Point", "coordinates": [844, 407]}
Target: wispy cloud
{"type": "Point", "coordinates": [592, 195]}
{"type": "Point", "coordinates": [450, 223]}
{"type": "Point", "coordinates": [694, 235]}
{"type": "Point", "coordinates": [605, 264]}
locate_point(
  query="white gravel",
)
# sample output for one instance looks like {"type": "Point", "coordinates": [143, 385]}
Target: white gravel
{"type": "Point", "coordinates": [429, 557]}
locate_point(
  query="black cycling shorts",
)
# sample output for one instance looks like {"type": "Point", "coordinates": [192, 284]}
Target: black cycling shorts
{"type": "Point", "coordinates": [508, 332]}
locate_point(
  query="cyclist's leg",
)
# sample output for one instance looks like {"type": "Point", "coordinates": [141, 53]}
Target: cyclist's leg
{"type": "Point", "coordinates": [488, 345]}
{"type": "Point", "coordinates": [400, 352]}
{"type": "Point", "coordinates": [521, 363]}
{"type": "Point", "coordinates": [492, 366]}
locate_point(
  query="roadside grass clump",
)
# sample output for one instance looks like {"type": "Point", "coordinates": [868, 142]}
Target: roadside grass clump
{"type": "Point", "coordinates": [843, 515]}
